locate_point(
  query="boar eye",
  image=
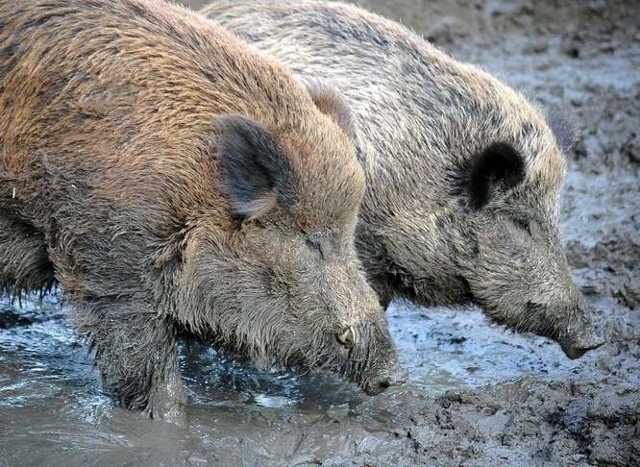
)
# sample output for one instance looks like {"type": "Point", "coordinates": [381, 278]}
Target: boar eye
{"type": "Point", "coordinates": [315, 245]}
{"type": "Point", "coordinates": [524, 224]}
{"type": "Point", "coordinates": [535, 230]}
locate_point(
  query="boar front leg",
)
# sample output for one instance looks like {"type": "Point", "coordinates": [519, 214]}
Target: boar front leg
{"type": "Point", "coordinates": [137, 355]}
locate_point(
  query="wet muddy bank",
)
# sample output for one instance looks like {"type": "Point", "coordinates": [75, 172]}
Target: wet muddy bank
{"type": "Point", "coordinates": [477, 394]}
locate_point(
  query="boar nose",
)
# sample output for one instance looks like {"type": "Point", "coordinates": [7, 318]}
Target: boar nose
{"type": "Point", "coordinates": [394, 376]}
{"type": "Point", "coordinates": [581, 336]}
{"type": "Point", "coordinates": [577, 348]}
{"type": "Point", "coordinates": [579, 342]}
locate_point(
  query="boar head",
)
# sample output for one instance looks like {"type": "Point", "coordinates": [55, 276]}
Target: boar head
{"type": "Point", "coordinates": [283, 285]}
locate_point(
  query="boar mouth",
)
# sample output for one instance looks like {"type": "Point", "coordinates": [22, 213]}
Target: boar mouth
{"type": "Point", "coordinates": [378, 380]}
{"type": "Point", "coordinates": [373, 371]}
{"type": "Point", "coordinates": [370, 360]}
{"type": "Point", "coordinates": [396, 376]}
{"type": "Point", "coordinates": [576, 348]}
{"type": "Point", "coordinates": [573, 343]}
{"type": "Point", "coordinates": [575, 340]}
{"type": "Point", "coordinates": [372, 382]}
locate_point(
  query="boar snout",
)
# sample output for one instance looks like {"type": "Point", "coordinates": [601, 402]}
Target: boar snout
{"type": "Point", "coordinates": [579, 341]}
{"type": "Point", "coordinates": [579, 336]}
{"type": "Point", "coordinates": [575, 350]}
{"type": "Point", "coordinates": [372, 361]}
{"type": "Point", "coordinates": [394, 376]}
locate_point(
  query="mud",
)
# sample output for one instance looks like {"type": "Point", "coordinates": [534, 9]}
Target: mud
{"type": "Point", "coordinates": [477, 394]}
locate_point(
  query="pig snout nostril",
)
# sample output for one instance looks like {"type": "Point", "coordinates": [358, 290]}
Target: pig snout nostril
{"type": "Point", "coordinates": [574, 352]}
{"type": "Point", "coordinates": [382, 385]}
{"type": "Point", "coordinates": [378, 386]}
{"type": "Point", "coordinates": [577, 351]}
{"type": "Point", "coordinates": [396, 377]}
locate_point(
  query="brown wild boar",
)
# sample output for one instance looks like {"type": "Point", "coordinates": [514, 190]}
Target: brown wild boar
{"type": "Point", "coordinates": [171, 180]}
{"type": "Point", "coordinates": [463, 173]}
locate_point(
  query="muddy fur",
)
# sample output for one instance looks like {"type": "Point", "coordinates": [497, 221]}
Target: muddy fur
{"type": "Point", "coordinates": [170, 180]}
{"type": "Point", "coordinates": [463, 173]}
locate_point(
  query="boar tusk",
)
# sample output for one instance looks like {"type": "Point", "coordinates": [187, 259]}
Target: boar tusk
{"type": "Point", "coordinates": [342, 338]}
{"type": "Point", "coordinates": [356, 334]}
{"type": "Point", "coordinates": [349, 337]}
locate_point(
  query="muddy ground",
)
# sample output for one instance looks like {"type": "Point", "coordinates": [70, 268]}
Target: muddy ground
{"type": "Point", "coordinates": [478, 395]}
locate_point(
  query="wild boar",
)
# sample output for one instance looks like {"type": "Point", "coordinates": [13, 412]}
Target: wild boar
{"type": "Point", "coordinates": [172, 180]}
{"type": "Point", "coordinates": [463, 173]}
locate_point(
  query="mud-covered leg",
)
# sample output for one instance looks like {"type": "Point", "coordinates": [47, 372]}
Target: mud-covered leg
{"type": "Point", "coordinates": [24, 262]}
{"type": "Point", "coordinates": [138, 358]}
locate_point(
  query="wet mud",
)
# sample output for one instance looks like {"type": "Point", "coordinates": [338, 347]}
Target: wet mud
{"type": "Point", "coordinates": [477, 394]}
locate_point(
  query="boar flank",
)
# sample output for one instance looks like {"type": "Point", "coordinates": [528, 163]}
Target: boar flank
{"type": "Point", "coordinates": [171, 180]}
{"type": "Point", "coordinates": [463, 173]}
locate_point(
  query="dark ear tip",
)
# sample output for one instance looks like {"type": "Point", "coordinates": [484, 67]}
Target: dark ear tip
{"type": "Point", "coordinates": [499, 166]}
{"type": "Point", "coordinates": [236, 124]}
{"type": "Point", "coordinates": [331, 103]}
{"type": "Point", "coordinates": [254, 171]}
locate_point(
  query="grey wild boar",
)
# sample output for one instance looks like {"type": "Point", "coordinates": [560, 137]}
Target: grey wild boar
{"type": "Point", "coordinates": [463, 173]}
{"type": "Point", "coordinates": [171, 180]}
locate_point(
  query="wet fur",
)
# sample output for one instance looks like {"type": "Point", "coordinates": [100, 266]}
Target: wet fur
{"type": "Point", "coordinates": [129, 133]}
{"type": "Point", "coordinates": [443, 220]}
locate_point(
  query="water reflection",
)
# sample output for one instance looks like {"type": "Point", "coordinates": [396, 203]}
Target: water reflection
{"type": "Point", "coordinates": [50, 391]}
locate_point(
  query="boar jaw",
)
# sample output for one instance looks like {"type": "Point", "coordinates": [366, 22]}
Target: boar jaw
{"type": "Point", "coordinates": [580, 337]}
{"type": "Point", "coordinates": [576, 338]}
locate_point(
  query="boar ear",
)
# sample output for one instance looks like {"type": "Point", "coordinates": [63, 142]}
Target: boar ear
{"type": "Point", "coordinates": [563, 128]}
{"type": "Point", "coordinates": [330, 102]}
{"type": "Point", "coordinates": [255, 172]}
{"type": "Point", "coordinates": [498, 167]}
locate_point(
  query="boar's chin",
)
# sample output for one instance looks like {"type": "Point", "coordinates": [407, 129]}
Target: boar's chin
{"type": "Point", "coordinates": [574, 332]}
{"type": "Point", "coordinates": [394, 376]}
{"type": "Point", "coordinates": [576, 349]}
{"type": "Point", "coordinates": [372, 375]}
{"type": "Point", "coordinates": [368, 360]}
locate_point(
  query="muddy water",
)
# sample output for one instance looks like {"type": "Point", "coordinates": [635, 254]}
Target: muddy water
{"type": "Point", "coordinates": [477, 394]}
{"type": "Point", "coordinates": [53, 409]}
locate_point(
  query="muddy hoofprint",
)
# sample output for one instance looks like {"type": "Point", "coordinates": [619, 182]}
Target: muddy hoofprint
{"type": "Point", "coordinates": [171, 181]}
{"type": "Point", "coordinates": [463, 173]}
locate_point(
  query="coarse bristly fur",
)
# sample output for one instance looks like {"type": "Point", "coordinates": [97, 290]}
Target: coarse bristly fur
{"type": "Point", "coordinates": [172, 180]}
{"type": "Point", "coordinates": [463, 173]}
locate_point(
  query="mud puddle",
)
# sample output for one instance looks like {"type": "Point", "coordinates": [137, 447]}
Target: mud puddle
{"type": "Point", "coordinates": [55, 413]}
{"type": "Point", "coordinates": [477, 395]}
